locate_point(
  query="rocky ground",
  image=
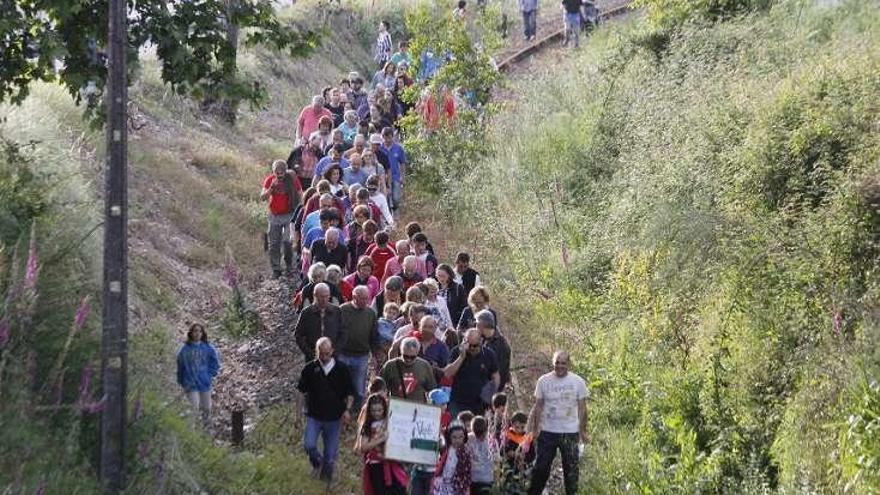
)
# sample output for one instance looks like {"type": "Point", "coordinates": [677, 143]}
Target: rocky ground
{"type": "Point", "coordinates": [260, 371]}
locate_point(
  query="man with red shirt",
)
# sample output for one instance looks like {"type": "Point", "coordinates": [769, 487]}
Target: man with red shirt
{"type": "Point", "coordinates": [380, 253]}
{"type": "Point", "coordinates": [307, 123]}
{"type": "Point", "coordinates": [283, 192]}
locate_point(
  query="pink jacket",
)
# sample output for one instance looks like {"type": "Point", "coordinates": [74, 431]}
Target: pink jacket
{"type": "Point", "coordinates": [372, 284]}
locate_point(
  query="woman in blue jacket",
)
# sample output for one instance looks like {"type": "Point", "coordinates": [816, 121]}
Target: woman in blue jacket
{"type": "Point", "coordinates": [197, 365]}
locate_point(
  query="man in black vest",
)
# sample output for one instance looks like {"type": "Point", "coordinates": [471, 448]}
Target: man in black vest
{"type": "Point", "coordinates": [326, 384]}
{"type": "Point", "coordinates": [320, 319]}
{"type": "Point", "coordinates": [464, 274]}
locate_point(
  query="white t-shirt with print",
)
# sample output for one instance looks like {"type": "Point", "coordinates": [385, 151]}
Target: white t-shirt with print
{"type": "Point", "coordinates": [561, 396]}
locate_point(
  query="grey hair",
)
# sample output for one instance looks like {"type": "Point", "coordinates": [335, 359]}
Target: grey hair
{"type": "Point", "coordinates": [360, 288]}
{"type": "Point", "coordinates": [317, 272]}
{"type": "Point", "coordinates": [316, 99]}
{"type": "Point", "coordinates": [410, 259]}
{"type": "Point", "coordinates": [321, 286]}
{"type": "Point", "coordinates": [327, 197]}
{"type": "Point", "coordinates": [334, 273]}
{"type": "Point", "coordinates": [320, 343]}
{"type": "Point", "coordinates": [332, 231]}
{"type": "Point", "coordinates": [350, 113]}
{"type": "Point", "coordinates": [411, 343]}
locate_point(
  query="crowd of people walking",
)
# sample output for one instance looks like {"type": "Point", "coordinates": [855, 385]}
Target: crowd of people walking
{"type": "Point", "coordinates": [382, 317]}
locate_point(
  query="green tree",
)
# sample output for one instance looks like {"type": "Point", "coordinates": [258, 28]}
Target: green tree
{"type": "Point", "coordinates": [443, 149]}
{"type": "Point", "coordinates": [195, 41]}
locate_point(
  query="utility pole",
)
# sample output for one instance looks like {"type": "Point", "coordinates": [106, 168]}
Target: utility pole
{"type": "Point", "coordinates": [114, 341]}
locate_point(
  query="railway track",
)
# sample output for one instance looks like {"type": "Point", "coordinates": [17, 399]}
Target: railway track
{"type": "Point", "coordinates": [557, 32]}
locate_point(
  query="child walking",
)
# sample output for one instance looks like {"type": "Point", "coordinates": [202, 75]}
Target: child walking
{"type": "Point", "coordinates": [453, 475]}
{"type": "Point", "coordinates": [197, 366]}
{"type": "Point", "coordinates": [518, 456]}
{"type": "Point", "coordinates": [380, 476]}
{"type": "Point", "coordinates": [482, 465]}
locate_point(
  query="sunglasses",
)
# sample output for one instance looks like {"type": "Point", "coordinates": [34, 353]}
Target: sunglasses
{"type": "Point", "coordinates": [475, 346]}
{"type": "Point", "coordinates": [409, 358]}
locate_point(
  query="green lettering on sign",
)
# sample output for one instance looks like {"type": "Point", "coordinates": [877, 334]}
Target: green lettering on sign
{"type": "Point", "coordinates": [423, 444]}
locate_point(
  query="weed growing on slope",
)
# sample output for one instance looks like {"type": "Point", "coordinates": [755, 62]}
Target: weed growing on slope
{"type": "Point", "coordinates": [704, 226]}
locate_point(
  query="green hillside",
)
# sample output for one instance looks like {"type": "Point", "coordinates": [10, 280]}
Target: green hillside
{"type": "Point", "coordinates": [697, 209]}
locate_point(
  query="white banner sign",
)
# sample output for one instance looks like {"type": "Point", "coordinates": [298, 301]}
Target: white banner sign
{"type": "Point", "coordinates": [413, 432]}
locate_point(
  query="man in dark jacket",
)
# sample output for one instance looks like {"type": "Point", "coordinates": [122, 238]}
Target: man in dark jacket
{"type": "Point", "coordinates": [326, 384]}
{"type": "Point", "coordinates": [473, 370]}
{"type": "Point", "coordinates": [321, 319]}
{"type": "Point", "coordinates": [493, 339]}
{"type": "Point", "coordinates": [329, 250]}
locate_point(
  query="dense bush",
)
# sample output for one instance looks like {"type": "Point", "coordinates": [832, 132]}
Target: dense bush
{"type": "Point", "coordinates": [705, 226]}
{"type": "Point", "coordinates": [442, 151]}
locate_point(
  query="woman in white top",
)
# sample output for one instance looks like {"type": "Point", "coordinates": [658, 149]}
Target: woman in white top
{"type": "Point", "coordinates": [434, 300]}
{"type": "Point", "coordinates": [371, 166]}
{"type": "Point", "coordinates": [380, 200]}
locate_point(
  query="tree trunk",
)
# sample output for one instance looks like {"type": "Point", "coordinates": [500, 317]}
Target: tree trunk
{"type": "Point", "coordinates": [213, 102]}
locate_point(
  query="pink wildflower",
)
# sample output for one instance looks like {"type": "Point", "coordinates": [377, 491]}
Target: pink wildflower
{"type": "Point", "coordinates": [81, 313]}
{"type": "Point", "coordinates": [231, 275]}
{"type": "Point", "coordinates": [41, 489]}
{"type": "Point", "coordinates": [95, 407]}
{"type": "Point", "coordinates": [85, 385]}
{"type": "Point", "coordinates": [33, 267]}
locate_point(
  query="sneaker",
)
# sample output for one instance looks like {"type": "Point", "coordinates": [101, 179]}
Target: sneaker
{"type": "Point", "coordinates": [316, 472]}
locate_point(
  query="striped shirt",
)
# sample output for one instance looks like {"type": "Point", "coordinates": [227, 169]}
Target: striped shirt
{"type": "Point", "coordinates": [383, 47]}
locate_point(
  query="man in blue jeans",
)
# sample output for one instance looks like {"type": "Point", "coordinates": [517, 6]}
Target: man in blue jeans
{"type": "Point", "coordinates": [572, 15]}
{"type": "Point", "coordinates": [326, 384]}
{"type": "Point", "coordinates": [558, 421]}
{"type": "Point", "coordinates": [360, 330]}
{"type": "Point", "coordinates": [529, 9]}
{"type": "Point", "coordinates": [397, 162]}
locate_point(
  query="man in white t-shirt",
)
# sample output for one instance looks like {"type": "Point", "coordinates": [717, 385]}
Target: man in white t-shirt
{"type": "Point", "coordinates": [559, 421]}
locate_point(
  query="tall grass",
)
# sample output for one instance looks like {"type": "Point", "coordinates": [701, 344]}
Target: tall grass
{"type": "Point", "coordinates": [703, 224]}
{"type": "Point", "coordinates": [192, 182]}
